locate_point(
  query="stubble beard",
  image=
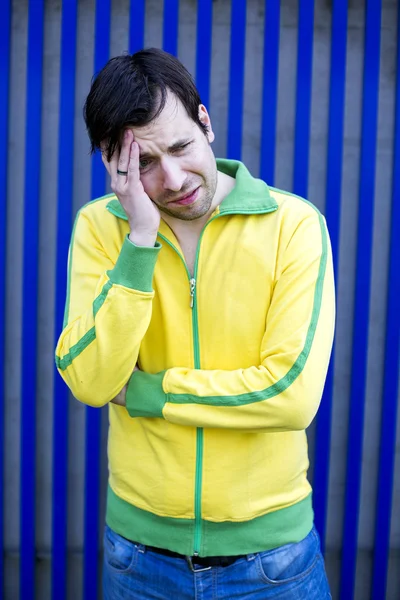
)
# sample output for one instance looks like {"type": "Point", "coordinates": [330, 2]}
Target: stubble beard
{"type": "Point", "coordinates": [200, 208]}
{"type": "Point", "coordinates": [191, 213]}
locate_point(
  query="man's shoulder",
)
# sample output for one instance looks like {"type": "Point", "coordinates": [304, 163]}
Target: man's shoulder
{"type": "Point", "coordinates": [97, 207]}
{"type": "Point", "coordinates": [101, 212]}
{"type": "Point", "coordinates": [293, 205]}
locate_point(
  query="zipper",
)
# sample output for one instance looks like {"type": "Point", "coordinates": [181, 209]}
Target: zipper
{"type": "Point", "coordinates": [199, 430]}
{"type": "Point", "coordinates": [196, 344]}
{"type": "Point", "coordinates": [192, 291]}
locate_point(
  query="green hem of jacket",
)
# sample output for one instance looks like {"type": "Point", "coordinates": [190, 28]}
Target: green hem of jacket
{"type": "Point", "coordinates": [285, 526]}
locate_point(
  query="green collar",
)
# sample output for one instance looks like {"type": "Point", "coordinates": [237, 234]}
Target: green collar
{"type": "Point", "coordinates": [250, 195]}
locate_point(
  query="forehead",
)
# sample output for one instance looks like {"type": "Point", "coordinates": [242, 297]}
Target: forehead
{"type": "Point", "coordinates": [172, 123]}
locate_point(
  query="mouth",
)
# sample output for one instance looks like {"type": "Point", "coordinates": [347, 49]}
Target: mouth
{"type": "Point", "coordinates": [187, 199]}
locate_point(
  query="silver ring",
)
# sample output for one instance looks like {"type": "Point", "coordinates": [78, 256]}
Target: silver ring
{"type": "Point", "coordinates": [122, 172]}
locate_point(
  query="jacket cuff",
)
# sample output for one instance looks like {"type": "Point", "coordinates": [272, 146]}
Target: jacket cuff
{"type": "Point", "coordinates": [135, 266]}
{"type": "Point", "coordinates": [145, 396]}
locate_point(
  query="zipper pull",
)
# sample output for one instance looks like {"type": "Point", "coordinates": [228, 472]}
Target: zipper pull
{"type": "Point", "coordinates": [192, 289]}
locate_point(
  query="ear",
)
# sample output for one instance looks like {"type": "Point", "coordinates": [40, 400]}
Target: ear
{"type": "Point", "coordinates": [105, 162]}
{"type": "Point", "coordinates": [205, 119]}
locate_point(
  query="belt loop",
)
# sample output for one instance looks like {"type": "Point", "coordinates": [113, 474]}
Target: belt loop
{"type": "Point", "coordinates": [250, 557]}
{"type": "Point", "coordinates": [141, 548]}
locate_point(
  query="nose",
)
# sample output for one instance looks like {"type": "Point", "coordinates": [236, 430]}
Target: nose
{"type": "Point", "coordinates": [173, 176]}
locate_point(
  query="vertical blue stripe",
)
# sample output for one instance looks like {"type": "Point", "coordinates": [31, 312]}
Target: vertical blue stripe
{"type": "Point", "coordinates": [92, 495]}
{"type": "Point", "coordinates": [5, 50]}
{"type": "Point", "coordinates": [203, 50]}
{"type": "Point", "coordinates": [303, 97]}
{"type": "Point", "coordinates": [30, 296]}
{"type": "Point", "coordinates": [170, 26]}
{"type": "Point", "coordinates": [362, 296]}
{"type": "Point", "coordinates": [270, 90]}
{"type": "Point", "coordinates": [332, 212]}
{"type": "Point", "coordinates": [136, 25]}
{"type": "Point", "coordinates": [101, 56]}
{"type": "Point", "coordinates": [236, 78]}
{"type": "Point", "coordinates": [93, 415]}
{"type": "Point", "coordinates": [390, 387]}
{"type": "Point", "coordinates": [64, 223]}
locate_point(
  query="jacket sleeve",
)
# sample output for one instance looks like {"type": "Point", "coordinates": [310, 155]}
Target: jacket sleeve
{"type": "Point", "coordinates": [283, 391]}
{"type": "Point", "coordinates": [107, 313]}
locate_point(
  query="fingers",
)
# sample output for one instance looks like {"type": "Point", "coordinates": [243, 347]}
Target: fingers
{"type": "Point", "coordinates": [133, 166]}
{"type": "Point", "coordinates": [119, 160]}
{"type": "Point", "coordinates": [123, 160]}
{"type": "Point", "coordinates": [112, 167]}
{"type": "Point", "coordinates": [116, 164]}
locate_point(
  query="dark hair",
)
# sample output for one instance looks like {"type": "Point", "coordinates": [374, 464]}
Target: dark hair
{"type": "Point", "coordinates": [132, 90]}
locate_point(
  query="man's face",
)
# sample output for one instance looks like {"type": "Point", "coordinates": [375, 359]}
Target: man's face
{"type": "Point", "coordinates": [177, 166]}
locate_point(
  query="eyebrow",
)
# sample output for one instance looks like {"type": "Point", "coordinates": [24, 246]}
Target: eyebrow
{"type": "Point", "coordinates": [171, 148]}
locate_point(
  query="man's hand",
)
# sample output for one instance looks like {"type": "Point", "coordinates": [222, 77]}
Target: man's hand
{"type": "Point", "coordinates": [120, 398]}
{"type": "Point", "coordinates": [143, 215]}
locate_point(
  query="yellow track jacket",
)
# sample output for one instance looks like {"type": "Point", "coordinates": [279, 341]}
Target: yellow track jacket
{"type": "Point", "coordinates": [209, 456]}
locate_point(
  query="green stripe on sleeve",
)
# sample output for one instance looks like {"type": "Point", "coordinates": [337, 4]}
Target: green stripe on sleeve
{"type": "Point", "coordinates": [76, 349]}
{"type": "Point", "coordinates": [99, 301]}
{"type": "Point", "coordinates": [66, 310]}
{"type": "Point", "coordinates": [89, 337]}
{"type": "Point", "coordinates": [70, 257]}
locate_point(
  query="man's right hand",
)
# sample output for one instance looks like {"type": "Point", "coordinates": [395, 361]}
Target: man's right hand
{"type": "Point", "coordinates": [120, 398]}
{"type": "Point", "coordinates": [143, 215]}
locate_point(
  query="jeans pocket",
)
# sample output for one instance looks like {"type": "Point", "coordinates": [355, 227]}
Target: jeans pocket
{"type": "Point", "coordinates": [119, 553]}
{"type": "Point", "coordinates": [291, 562]}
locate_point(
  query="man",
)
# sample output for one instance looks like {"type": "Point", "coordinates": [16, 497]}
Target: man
{"type": "Point", "coordinates": [200, 307]}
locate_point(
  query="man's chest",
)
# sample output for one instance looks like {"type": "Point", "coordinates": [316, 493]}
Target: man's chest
{"type": "Point", "coordinates": [211, 303]}
{"type": "Point", "coordinates": [189, 249]}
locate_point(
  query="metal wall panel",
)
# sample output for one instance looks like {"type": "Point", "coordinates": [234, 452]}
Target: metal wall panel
{"type": "Point", "coordinates": [258, 65]}
{"type": "Point", "coordinates": [362, 295]}
{"type": "Point", "coordinates": [93, 416]}
{"type": "Point", "coordinates": [332, 215]}
{"type": "Point", "coordinates": [64, 219]}
{"type": "Point", "coordinates": [390, 390]}
{"type": "Point", "coordinates": [5, 46]}
{"type": "Point", "coordinates": [30, 298]}
{"type": "Point", "coordinates": [270, 90]}
{"type": "Point", "coordinates": [236, 78]}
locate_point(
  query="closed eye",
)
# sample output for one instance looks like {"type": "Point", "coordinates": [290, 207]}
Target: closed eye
{"type": "Point", "coordinates": [181, 147]}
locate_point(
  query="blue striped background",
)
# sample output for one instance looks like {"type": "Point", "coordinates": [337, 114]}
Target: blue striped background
{"type": "Point", "coordinates": [5, 30]}
{"type": "Point", "coordinates": [30, 298]}
{"type": "Point", "coordinates": [204, 60]}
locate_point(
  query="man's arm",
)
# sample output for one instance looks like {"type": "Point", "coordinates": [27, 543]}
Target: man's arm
{"type": "Point", "coordinates": [283, 392]}
{"type": "Point", "coordinates": [108, 308]}
{"type": "Point", "coordinates": [107, 314]}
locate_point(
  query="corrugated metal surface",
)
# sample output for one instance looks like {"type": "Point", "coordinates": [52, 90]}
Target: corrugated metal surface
{"type": "Point", "coordinates": [307, 94]}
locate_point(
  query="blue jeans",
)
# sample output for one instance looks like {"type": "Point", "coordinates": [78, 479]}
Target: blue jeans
{"type": "Point", "coordinates": [291, 572]}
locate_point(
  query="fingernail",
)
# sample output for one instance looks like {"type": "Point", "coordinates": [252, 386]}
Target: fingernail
{"type": "Point", "coordinates": [126, 135]}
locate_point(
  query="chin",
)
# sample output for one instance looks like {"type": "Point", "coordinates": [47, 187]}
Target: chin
{"type": "Point", "coordinates": [195, 212]}
{"type": "Point", "coordinates": [188, 213]}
